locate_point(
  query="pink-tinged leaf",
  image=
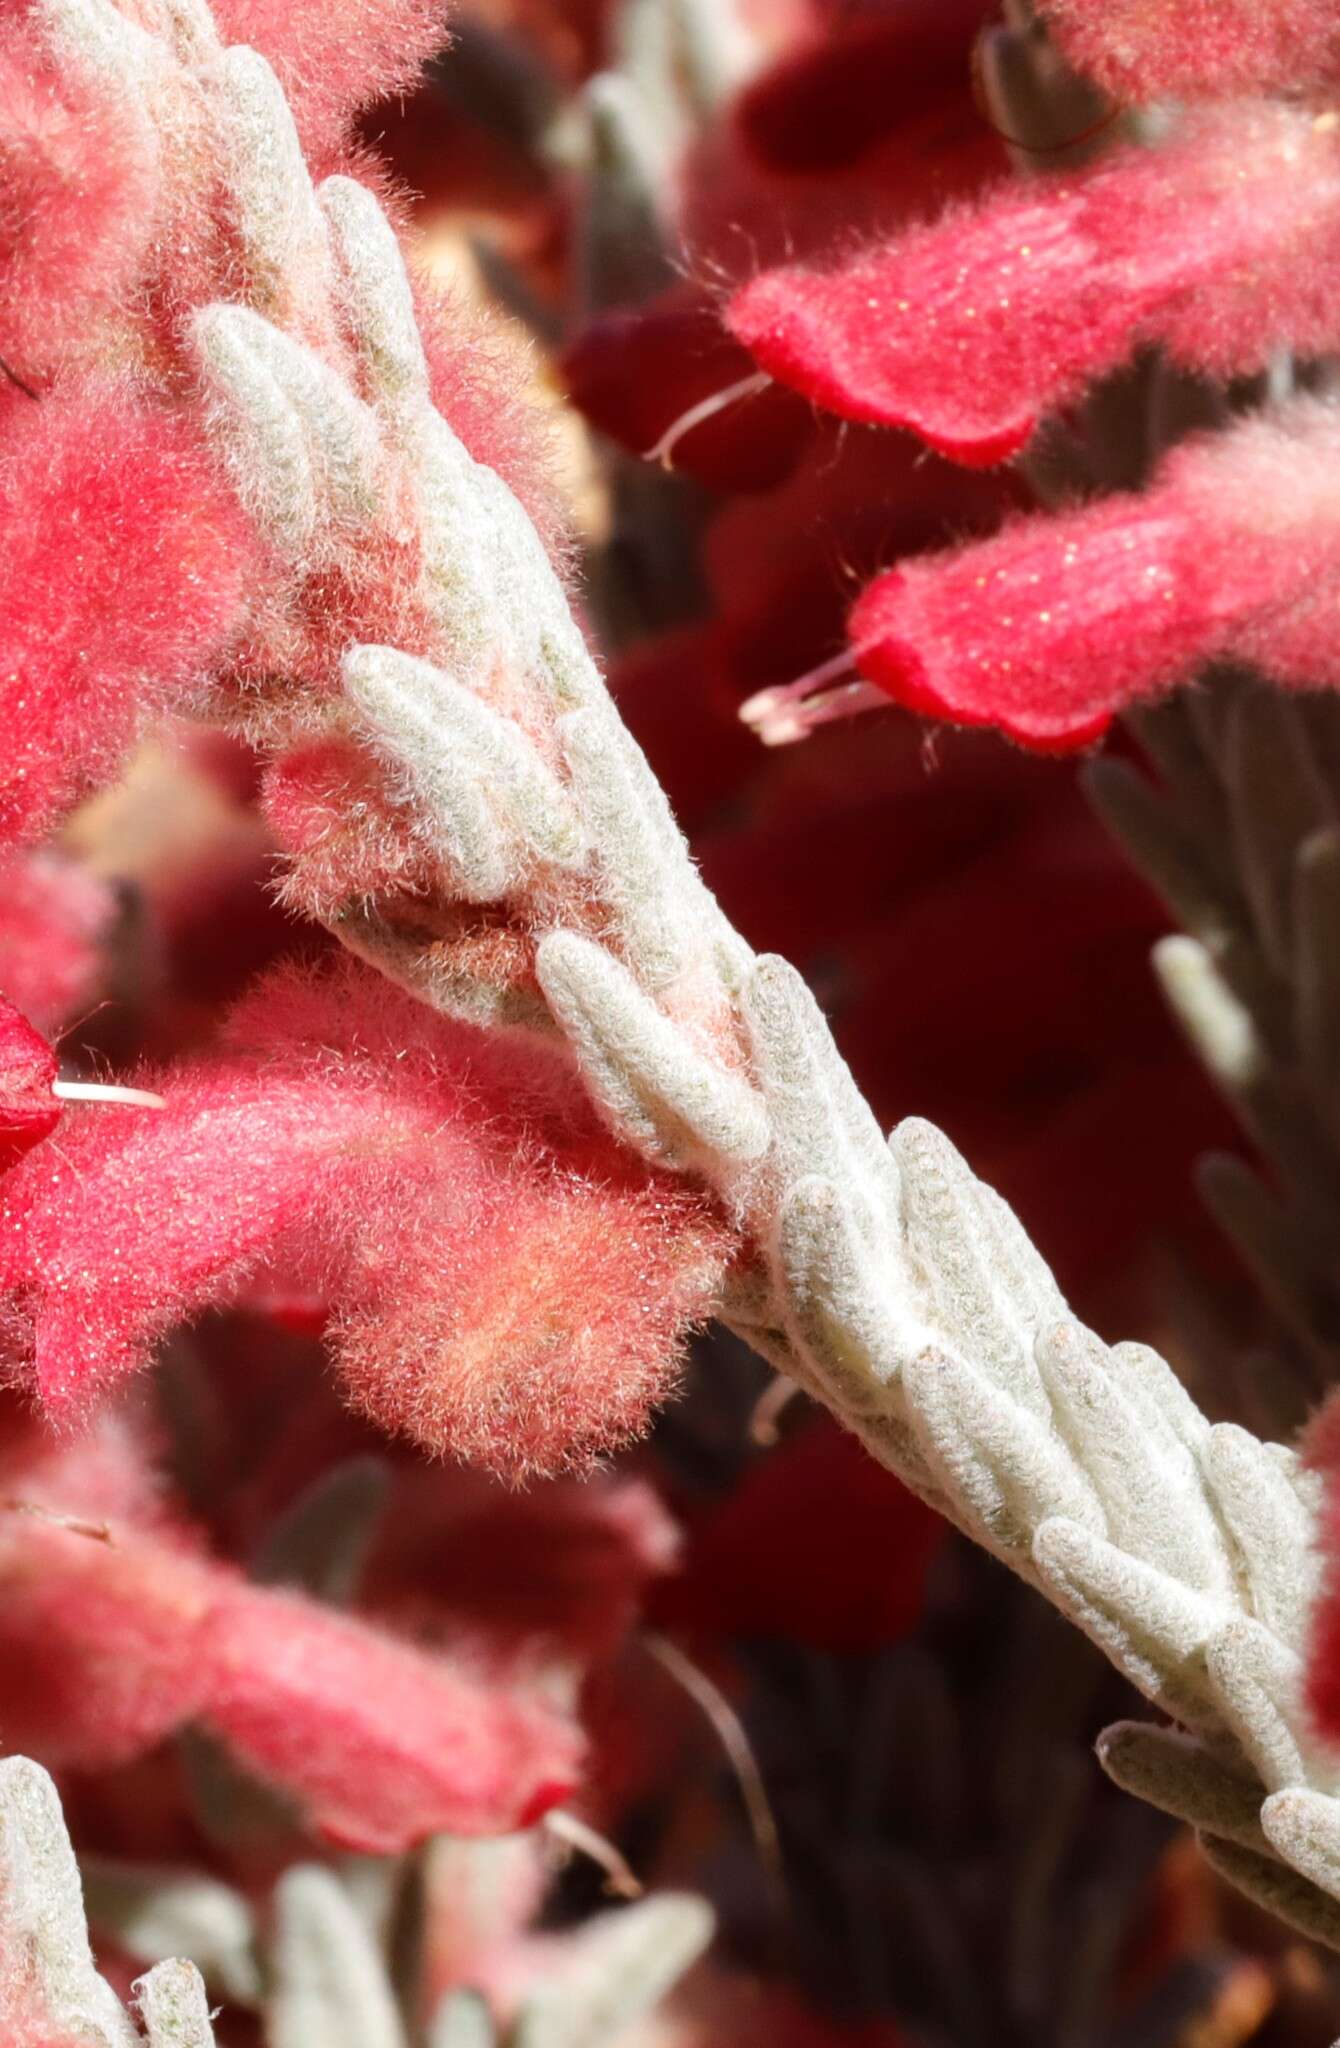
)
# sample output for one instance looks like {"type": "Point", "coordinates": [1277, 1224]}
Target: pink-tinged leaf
{"type": "Point", "coordinates": [1143, 50]}
{"type": "Point", "coordinates": [124, 564]}
{"type": "Point", "coordinates": [335, 56]}
{"type": "Point", "coordinates": [1049, 629]}
{"type": "Point", "coordinates": [1220, 245]}
{"type": "Point", "coordinates": [29, 1111]}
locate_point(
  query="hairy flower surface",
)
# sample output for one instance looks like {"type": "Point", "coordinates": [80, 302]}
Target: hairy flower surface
{"type": "Point", "coordinates": [78, 194]}
{"type": "Point", "coordinates": [124, 561]}
{"type": "Point", "coordinates": [500, 1283]}
{"type": "Point", "coordinates": [1219, 244]}
{"type": "Point", "coordinates": [1049, 629]}
{"type": "Point", "coordinates": [29, 1111]}
{"type": "Point", "coordinates": [333, 57]}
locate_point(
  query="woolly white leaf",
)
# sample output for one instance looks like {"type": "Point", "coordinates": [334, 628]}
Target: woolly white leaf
{"type": "Point", "coordinates": [496, 804]}
{"type": "Point", "coordinates": [155, 1915]}
{"type": "Point", "coordinates": [175, 2009]}
{"type": "Point", "coordinates": [1008, 1469]}
{"type": "Point", "coordinates": [648, 917]}
{"type": "Point", "coordinates": [839, 1305]}
{"type": "Point", "coordinates": [264, 441]}
{"type": "Point", "coordinates": [821, 1123]}
{"type": "Point", "coordinates": [282, 230]}
{"type": "Point", "coordinates": [1153, 1629]}
{"type": "Point", "coordinates": [1152, 1502]}
{"type": "Point", "coordinates": [1279, 1890]}
{"type": "Point", "coordinates": [45, 1935]}
{"type": "Point", "coordinates": [1218, 1025]}
{"type": "Point", "coordinates": [1257, 1682]}
{"type": "Point", "coordinates": [329, 1983]}
{"type": "Point", "coordinates": [949, 1246]}
{"type": "Point", "coordinates": [1270, 1525]}
{"type": "Point", "coordinates": [1303, 1828]}
{"type": "Point", "coordinates": [1179, 1775]}
{"type": "Point", "coordinates": [462, 2021]}
{"type": "Point", "coordinates": [675, 1103]}
{"type": "Point", "coordinates": [623, 1964]}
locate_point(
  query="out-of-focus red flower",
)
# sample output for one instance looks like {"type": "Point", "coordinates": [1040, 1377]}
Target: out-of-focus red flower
{"type": "Point", "coordinates": [817, 1544]}
{"type": "Point", "coordinates": [645, 373]}
{"type": "Point", "coordinates": [898, 78]}
{"type": "Point", "coordinates": [117, 1628]}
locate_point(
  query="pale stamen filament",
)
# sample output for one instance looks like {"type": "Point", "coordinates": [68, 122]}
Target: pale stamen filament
{"type": "Point", "coordinates": [706, 409]}
{"type": "Point", "coordinates": [108, 1091]}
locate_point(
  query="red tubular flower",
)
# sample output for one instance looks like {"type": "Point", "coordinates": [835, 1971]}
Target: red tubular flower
{"type": "Point", "coordinates": [1140, 51]}
{"type": "Point", "coordinates": [1056, 624]}
{"type": "Point", "coordinates": [1222, 246]}
{"type": "Point", "coordinates": [383, 1745]}
{"type": "Point", "coordinates": [114, 1636]}
{"type": "Point", "coordinates": [502, 1284]}
{"type": "Point", "coordinates": [124, 563]}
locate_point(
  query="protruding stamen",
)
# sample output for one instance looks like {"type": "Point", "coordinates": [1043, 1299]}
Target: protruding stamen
{"type": "Point", "coordinates": [705, 409]}
{"type": "Point", "coordinates": [791, 711]}
{"type": "Point", "coordinates": [620, 1878]}
{"type": "Point", "coordinates": [108, 1091]}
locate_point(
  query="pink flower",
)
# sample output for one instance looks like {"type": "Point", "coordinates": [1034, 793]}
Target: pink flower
{"type": "Point", "coordinates": [29, 1111]}
{"type": "Point", "coordinates": [116, 1632]}
{"type": "Point", "coordinates": [502, 1283]}
{"type": "Point", "coordinates": [78, 192]}
{"type": "Point", "coordinates": [1221, 245]}
{"type": "Point", "coordinates": [335, 56]}
{"type": "Point", "coordinates": [124, 566]}
{"type": "Point", "coordinates": [1049, 629]}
